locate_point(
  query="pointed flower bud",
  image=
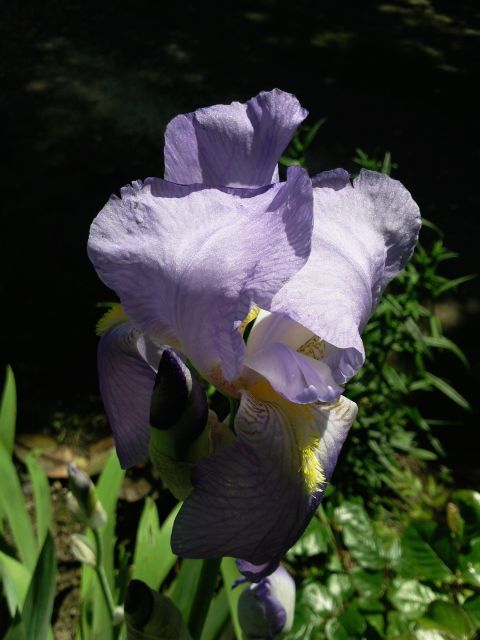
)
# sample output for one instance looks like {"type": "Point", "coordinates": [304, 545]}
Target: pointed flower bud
{"type": "Point", "coordinates": [85, 504]}
{"type": "Point", "coordinates": [83, 549]}
{"type": "Point", "coordinates": [149, 614]}
{"type": "Point", "coordinates": [266, 608]}
{"type": "Point", "coordinates": [178, 417]}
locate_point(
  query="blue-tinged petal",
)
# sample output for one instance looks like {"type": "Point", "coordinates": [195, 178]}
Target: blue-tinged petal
{"type": "Point", "coordinates": [363, 235]}
{"type": "Point", "coordinates": [266, 609]}
{"type": "Point", "coordinates": [189, 263]}
{"type": "Point", "coordinates": [253, 499]}
{"type": "Point", "coordinates": [235, 145]}
{"type": "Point", "coordinates": [126, 361]}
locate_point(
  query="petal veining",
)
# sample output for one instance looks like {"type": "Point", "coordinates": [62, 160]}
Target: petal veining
{"type": "Point", "coordinates": [189, 263]}
{"type": "Point", "coordinates": [235, 145]}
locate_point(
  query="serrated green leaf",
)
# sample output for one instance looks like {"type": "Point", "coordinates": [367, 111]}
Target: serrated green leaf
{"type": "Point", "coordinates": [38, 607]}
{"type": "Point", "coordinates": [8, 411]}
{"type": "Point", "coordinates": [367, 583]}
{"type": "Point", "coordinates": [319, 599]}
{"type": "Point", "coordinates": [313, 541]}
{"type": "Point", "coordinates": [340, 586]}
{"type": "Point", "coordinates": [410, 597]}
{"type": "Point", "coordinates": [352, 620]}
{"type": "Point", "coordinates": [359, 535]}
{"type": "Point", "coordinates": [336, 631]}
{"type": "Point", "coordinates": [419, 558]}
{"type": "Point", "coordinates": [449, 619]}
{"type": "Point", "coordinates": [41, 496]}
{"type": "Point", "coordinates": [13, 506]}
{"type": "Point", "coordinates": [469, 504]}
{"type": "Point", "coordinates": [472, 607]}
{"type": "Point", "coordinates": [153, 541]}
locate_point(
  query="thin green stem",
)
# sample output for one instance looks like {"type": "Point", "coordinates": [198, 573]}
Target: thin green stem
{"type": "Point", "coordinates": [102, 577]}
{"type": "Point", "coordinates": [203, 596]}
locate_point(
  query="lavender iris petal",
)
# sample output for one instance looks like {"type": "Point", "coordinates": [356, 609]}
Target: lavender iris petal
{"type": "Point", "coordinates": [235, 145]}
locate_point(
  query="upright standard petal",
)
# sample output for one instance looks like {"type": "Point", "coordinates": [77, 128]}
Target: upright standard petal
{"type": "Point", "coordinates": [189, 263]}
{"type": "Point", "coordinates": [253, 499]}
{"type": "Point", "coordinates": [235, 145]}
{"type": "Point", "coordinates": [363, 235]}
{"type": "Point", "coordinates": [126, 361]}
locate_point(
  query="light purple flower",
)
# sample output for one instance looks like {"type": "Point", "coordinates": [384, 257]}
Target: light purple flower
{"type": "Point", "coordinates": [193, 262]}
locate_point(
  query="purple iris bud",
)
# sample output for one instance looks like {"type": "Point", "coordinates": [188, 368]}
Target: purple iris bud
{"type": "Point", "coordinates": [266, 608]}
{"type": "Point", "coordinates": [178, 408]}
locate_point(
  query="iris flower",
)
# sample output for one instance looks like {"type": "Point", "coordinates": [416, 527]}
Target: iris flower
{"type": "Point", "coordinates": [217, 244]}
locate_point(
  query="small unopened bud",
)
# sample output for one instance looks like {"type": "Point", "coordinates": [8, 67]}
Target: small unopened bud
{"type": "Point", "coordinates": [149, 614]}
{"type": "Point", "coordinates": [178, 417]}
{"type": "Point", "coordinates": [266, 608]}
{"type": "Point", "coordinates": [88, 507]}
{"type": "Point", "coordinates": [83, 549]}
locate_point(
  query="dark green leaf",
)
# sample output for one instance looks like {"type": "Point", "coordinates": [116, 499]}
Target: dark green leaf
{"type": "Point", "coordinates": [368, 583]}
{"type": "Point", "coordinates": [469, 505]}
{"type": "Point", "coordinates": [312, 542]}
{"type": "Point", "coordinates": [38, 606]}
{"type": "Point", "coordinates": [420, 559]}
{"type": "Point", "coordinates": [336, 631]}
{"type": "Point", "coordinates": [410, 597]}
{"type": "Point", "coordinates": [352, 620]}
{"type": "Point", "coordinates": [448, 618]}
{"type": "Point", "coordinates": [472, 608]}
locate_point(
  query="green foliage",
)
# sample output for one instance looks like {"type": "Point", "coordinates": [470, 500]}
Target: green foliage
{"type": "Point", "coordinates": [378, 581]}
{"type": "Point", "coordinates": [27, 562]}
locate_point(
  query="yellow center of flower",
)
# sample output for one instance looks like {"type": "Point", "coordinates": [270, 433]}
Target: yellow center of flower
{"type": "Point", "coordinates": [251, 315]}
{"type": "Point", "coordinates": [301, 419]}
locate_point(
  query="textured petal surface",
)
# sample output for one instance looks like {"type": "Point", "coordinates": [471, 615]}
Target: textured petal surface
{"type": "Point", "coordinates": [189, 263]}
{"type": "Point", "coordinates": [250, 500]}
{"type": "Point", "coordinates": [126, 361]}
{"type": "Point", "coordinates": [363, 235]}
{"type": "Point", "coordinates": [234, 145]}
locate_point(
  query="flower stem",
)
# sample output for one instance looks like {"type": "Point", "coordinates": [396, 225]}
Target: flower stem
{"type": "Point", "coordinates": [102, 577]}
{"type": "Point", "coordinates": [203, 596]}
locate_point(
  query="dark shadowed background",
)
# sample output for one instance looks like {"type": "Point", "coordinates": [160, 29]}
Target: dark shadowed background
{"type": "Point", "coordinates": [86, 92]}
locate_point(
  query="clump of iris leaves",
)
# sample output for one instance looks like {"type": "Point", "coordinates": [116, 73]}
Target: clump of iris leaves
{"type": "Point", "coordinates": [394, 551]}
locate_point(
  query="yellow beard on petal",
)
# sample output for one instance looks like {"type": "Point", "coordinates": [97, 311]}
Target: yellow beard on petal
{"type": "Point", "coordinates": [115, 315]}
{"type": "Point", "coordinates": [300, 418]}
{"type": "Point", "coordinates": [251, 315]}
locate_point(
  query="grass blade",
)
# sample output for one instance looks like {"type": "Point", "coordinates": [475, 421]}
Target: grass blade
{"type": "Point", "coordinates": [230, 573]}
{"type": "Point", "coordinates": [41, 496]}
{"type": "Point", "coordinates": [8, 411]}
{"type": "Point", "coordinates": [13, 506]}
{"type": "Point", "coordinates": [448, 391]}
{"type": "Point", "coordinates": [153, 541]}
{"type": "Point", "coordinates": [38, 607]}
{"type": "Point", "coordinates": [217, 618]}
{"type": "Point", "coordinates": [15, 578]}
